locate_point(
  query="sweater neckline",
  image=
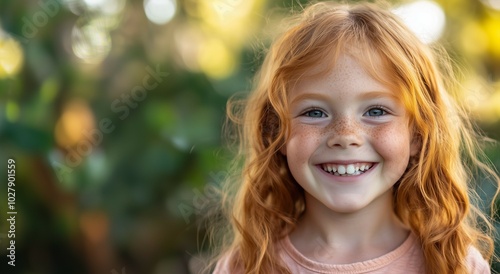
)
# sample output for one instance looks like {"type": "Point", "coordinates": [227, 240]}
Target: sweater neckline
{"type": "Point", "coordinates": [358, 267]}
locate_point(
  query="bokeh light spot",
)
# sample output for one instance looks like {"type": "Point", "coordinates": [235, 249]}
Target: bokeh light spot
{"type": "Point", "coordinates": [95, 226]}
{"type": "Point", "coordinates": [160, 11]}
{"type": "Point", "coordinates": [76, 120]}
{"type": "Point", "coordinates": [95, 3]}
{"type": "Point", "coordinates": [425, 18]}
{"type": "Point", "coordinates": [187, 40]}
{"type": "Point", "coordinates": [225, 13]}
{"type": "Point", "coordinates": [215, 59]}
{"type": "Point", "coordinates": [109, 7]}
{"type": "Point", "coordinates": [11, 57]}
{"type": "Point", "coordinates": [12, 111]}
{"type": "Point", "coordinates": [494, 4]}
{"type": "Point", "coordinates": [49, 90]}
{"type": "Point", "coordinates": [492, 28]}
{"type": "Point", "coordinates": [91, 42]}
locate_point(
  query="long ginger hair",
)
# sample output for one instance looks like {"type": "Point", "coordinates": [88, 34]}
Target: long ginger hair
{"type": "Point", "coordinates": [433, 197]}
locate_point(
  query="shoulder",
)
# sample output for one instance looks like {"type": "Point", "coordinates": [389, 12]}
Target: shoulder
{"type": "Point", "coordinates": [476, 263]}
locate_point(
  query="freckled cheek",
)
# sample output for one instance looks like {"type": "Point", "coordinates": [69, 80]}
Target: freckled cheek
{"type": "Point", "coordinates": [392, 142]}
{"type": "Point", "coordinates": [303, 142]}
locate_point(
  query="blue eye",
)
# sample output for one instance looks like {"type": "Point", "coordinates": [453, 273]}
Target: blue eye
{"type": "Point", "coordinates": [315, 113]}
{"type": "Point", "coordinates": [376, 112]}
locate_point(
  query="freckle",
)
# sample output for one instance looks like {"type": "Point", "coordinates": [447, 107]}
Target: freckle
{"type": "Point", "coordinates": [342, 127]}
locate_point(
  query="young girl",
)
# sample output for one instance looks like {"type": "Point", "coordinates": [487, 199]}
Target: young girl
{"type": "Point", "coordinates": [354, 156]}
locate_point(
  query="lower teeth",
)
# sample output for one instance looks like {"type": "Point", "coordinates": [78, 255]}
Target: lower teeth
{"type": "Point", "coordinates": [346, 174]}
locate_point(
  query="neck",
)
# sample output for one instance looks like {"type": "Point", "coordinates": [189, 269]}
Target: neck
{"type": "Point", "coordinates": [353, 236]}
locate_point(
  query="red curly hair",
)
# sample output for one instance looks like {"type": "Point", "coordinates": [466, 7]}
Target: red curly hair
{"type": "Point", "coordinates": [432, 198]}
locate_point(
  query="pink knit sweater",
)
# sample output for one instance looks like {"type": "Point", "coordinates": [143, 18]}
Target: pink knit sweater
{"type": "Point", "coordinates": [407, 259]}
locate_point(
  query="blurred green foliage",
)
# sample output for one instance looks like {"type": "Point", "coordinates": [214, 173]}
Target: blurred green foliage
{"type": "Point", "coordinates": [111, 172]}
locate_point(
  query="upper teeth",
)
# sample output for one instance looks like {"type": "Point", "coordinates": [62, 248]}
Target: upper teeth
{"type": "Point", "coordinates": [350, 169]}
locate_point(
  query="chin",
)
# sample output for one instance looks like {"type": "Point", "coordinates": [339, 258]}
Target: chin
{"type": "Point", "coordinates": [348, 206]}
{"type": "Point", "coordinates": [346, 209]}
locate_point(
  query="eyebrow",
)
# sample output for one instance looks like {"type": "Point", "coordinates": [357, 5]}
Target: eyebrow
{"type": "Point", "coordinates": [378, 94]}
{"type": "Point", "coordinates": [311, 96]}
{"type": "Point", "coordinates": [364, 96]}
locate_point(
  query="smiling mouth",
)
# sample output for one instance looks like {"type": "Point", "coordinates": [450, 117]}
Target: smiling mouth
{"type": "Point", "coordinates": [347, 170]}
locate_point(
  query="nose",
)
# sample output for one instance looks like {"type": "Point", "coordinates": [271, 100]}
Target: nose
{"type": "Point", "coordinates": [344, 133]}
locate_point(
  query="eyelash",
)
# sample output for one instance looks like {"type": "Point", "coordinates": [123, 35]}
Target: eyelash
{"type": "Point", "coordinates": [384, 110]}
{"type": "Point", "coordinates": [305, 113]}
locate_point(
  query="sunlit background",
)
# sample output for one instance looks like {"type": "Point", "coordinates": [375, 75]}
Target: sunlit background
{"type": "Point", "coordinates": [113, 111]}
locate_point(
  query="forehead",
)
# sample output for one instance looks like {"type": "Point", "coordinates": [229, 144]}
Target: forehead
{"type": "Point", "coordinates": [346, 75]}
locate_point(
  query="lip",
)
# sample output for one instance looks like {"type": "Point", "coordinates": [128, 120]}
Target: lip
{"type": "Point", "coordinates": [345, 179]}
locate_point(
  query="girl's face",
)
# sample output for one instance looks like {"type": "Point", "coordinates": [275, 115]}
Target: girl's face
{"type": "Point", "coordinates": [350, 139]}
